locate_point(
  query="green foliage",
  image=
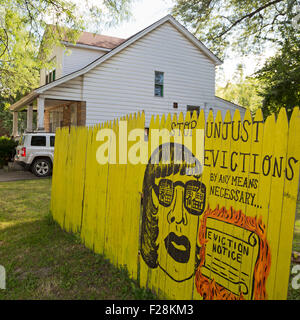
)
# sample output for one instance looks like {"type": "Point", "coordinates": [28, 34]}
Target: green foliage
{"type": "Point", "coordinates": [243, 25]}
{"type": "Point", "coordinates": [26, 38]}
{"type": "Point", "coordinates": [19, 68]}
{"type": "Point", "coordinates": [7, 150]}
{"type": "Point", "coordinates": [280, 77]}
{"type": "Point", "coordinates": [5, 120]}
{"type": "Point", "coordinates": [242, 91]}
{"type": "Point", "coordinates": [6, 117]}
{"type": "Point", "coordinates": [250, 27]}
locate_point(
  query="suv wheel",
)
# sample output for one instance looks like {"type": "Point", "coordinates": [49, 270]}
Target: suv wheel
{"type": "Point", "coordinates": [41, 167]}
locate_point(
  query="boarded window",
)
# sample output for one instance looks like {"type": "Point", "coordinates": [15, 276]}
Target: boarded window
{"type": "Point", "coordinates": [191, 109]}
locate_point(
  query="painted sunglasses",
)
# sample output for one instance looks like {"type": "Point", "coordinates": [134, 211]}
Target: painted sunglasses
{"type": "Point", "coordinates": [194, 194]}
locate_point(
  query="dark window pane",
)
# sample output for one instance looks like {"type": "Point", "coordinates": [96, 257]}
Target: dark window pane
{"type": "Point", "coordinates": [47, 79]}
{"type": "Point", "coordinates": [159, 78]}
{"type": "Point", "coordinates": [52, 141]}
{"type": "Point", "coordinates": [158, 91]}
{"type": "Point", "coordinates": [53, 75]}
{"type": "Point", "coordinates": [159, 84]}
{"type": "Point", "coordinates": [38, 141]}
{"type": "Point", "coordinates": [193, 108]}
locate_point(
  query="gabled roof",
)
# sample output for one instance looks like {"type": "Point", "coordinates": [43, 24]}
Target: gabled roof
{"type": "Point", "coordinates": [215, 60]}
{"type": "Point", "coordinates": [232, 103]}
{"type": "Point", "coordinates": [128, 42]}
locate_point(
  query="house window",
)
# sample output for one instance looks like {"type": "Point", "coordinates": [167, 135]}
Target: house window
{"type": "Point", "coordinates": [159, 84]}
{"type": "Point", "coordinates": [56, 118]}
{"type": "Point", "coordinates": [50, 76]}
{"type": "Point", "coordinates": [191, 109]}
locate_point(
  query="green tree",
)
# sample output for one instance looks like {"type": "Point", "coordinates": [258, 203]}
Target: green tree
{"type": "Point", "coordinates": [26, 40]}
{"type": "Point", "coordinates": [247, 26]}
{"type": "Point", "coordinates": [6, 121]}
{"type": "Point", "coordinates": [242, 91]}
{"type": "Point", "coordinates": [22, 26]}
{"type": "Point", "coordinates": [280, 79]}
{"type": "Point", "coordinates": [250, 27]}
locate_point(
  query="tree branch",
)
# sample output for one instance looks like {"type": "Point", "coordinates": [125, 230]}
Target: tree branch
{"type": "Point", "coordinates": [5, 43]}
{"type": "Point", "coordinates": [248, 16]}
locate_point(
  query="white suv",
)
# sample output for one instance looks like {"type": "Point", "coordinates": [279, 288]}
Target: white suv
{"type": "Point", "coordinates": [35, 152]}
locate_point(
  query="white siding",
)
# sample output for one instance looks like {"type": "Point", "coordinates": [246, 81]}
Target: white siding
{"type": "Point", "coordinates": [224, 105]}
{"type": "Point", "coordinates": [71, 59]}
{"type": "Point", "coordinates": [125, 83]}
{"type": "Point", "coordinates": [77, 58]}
{"type": "Point", "coordinates": [70, 90]}
{"type": "Point", "coordinates": [56, 54]}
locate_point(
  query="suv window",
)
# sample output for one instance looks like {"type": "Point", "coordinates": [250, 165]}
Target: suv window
{"type": "Point", "coordinates": [52, 141]}
{"type": "Point", "coordinates": [38, 141]}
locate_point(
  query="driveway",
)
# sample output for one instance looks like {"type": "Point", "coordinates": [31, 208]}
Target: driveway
{"type": "Point", "coordinates": [16, 175]}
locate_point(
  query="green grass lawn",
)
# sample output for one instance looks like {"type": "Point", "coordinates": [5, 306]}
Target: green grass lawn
{"type": "Point", "coordinates": [44, 262]}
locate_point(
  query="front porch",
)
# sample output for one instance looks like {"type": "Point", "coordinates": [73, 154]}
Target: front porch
{"type": "Point", "coordinates": [51, 114]}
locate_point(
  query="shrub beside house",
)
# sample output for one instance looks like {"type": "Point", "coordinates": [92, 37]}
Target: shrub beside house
{"type": "Point", "coordinates": [7, 150]}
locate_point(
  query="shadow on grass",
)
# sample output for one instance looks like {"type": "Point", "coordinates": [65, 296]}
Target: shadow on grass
{"type": "Point", "coordinates": [44, 262]}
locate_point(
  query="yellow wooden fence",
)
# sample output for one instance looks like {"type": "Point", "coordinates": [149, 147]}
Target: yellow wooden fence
{"type": "Point", "coordinates": [222, 230]}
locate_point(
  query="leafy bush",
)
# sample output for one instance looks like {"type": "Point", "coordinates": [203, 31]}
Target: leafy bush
{"type": "Point", "coordinates": [7, 150]}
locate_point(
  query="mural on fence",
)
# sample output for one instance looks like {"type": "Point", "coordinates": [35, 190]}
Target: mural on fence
{"type": "Point", "coordinates": [235, 256]}
{"type": "Point", "coordinates": [213, 226]}
{"type": "Point", "coordinates": [173, 203]}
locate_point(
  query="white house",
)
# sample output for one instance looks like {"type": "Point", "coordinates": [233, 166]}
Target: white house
{"type": "Point", "coordinates": [161, 69]}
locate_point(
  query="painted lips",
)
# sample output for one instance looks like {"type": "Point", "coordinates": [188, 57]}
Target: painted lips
{"type": "Point", "coordinates": [178, 248]}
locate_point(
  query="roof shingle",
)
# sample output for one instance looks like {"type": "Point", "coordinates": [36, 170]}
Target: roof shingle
{"type": "Point", "coordinates": [98, 40]}
{"type": "Point", "coordinates": [90, 39]}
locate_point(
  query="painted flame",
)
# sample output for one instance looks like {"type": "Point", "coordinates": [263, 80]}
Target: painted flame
{"type": "Point", "coordinates": [209, 289]}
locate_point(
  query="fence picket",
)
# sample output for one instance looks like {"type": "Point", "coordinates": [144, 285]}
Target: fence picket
{"type": "Point", "coordinates": [288, 208]}
{"type": "Point", "coordinates": [152, 219]}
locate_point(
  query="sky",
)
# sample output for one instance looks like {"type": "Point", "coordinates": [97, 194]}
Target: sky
{"type": "Point", "coordinates": [144, 13]}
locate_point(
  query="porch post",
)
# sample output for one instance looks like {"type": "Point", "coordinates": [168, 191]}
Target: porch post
{"type": "Point", "coordinates": [15, 124]}
{"type": "Point", "coordinates": [29, 118]}
{"type": "Point", "coordinates": [40, 113]}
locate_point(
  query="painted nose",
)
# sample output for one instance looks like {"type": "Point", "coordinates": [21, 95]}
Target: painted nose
{"type": "Point", "coordinates": [177, 213]}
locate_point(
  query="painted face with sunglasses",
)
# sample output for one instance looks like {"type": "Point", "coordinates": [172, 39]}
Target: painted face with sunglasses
{"type": "Point", "coordinates": [177, 201]}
